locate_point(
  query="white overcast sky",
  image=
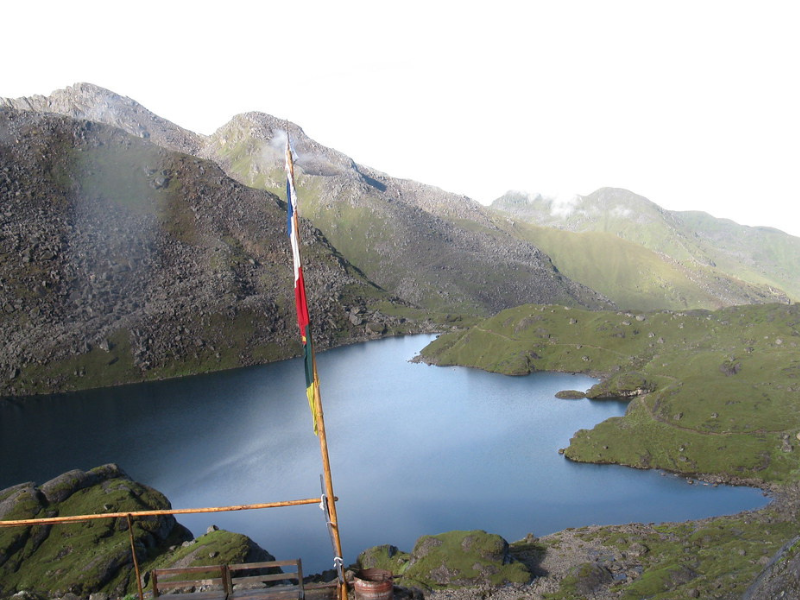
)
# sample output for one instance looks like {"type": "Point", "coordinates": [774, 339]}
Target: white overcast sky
{"type": "Point", "coordinates": [692, 104]}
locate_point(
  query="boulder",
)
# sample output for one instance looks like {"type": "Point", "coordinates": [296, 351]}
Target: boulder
{"type": "Point", "coordinates": [20, 501]}
{"type": "Point", "coordinates": [461, 559]}
{"type": "Point", "coordinates": [588, 578]}
{"type": "Point", "coordinates": [62, 487]}
{"type": "Point", "coordinates": [384, 557]}
{"type": "Point", "coordinates": [217, 547]}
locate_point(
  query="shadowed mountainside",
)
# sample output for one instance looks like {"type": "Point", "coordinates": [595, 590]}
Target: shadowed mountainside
{"type": "Point", "coordinates": [122, 261]}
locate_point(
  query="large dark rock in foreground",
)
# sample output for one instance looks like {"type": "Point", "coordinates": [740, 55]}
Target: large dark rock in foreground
{"type": "Point", "coordinates": [95, 556]}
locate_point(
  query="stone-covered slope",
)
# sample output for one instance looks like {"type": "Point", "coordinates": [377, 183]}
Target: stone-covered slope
{"type": "Point", "coordinates": [122, 261]}
{"type": "Point", "coordinates": [781, 577]}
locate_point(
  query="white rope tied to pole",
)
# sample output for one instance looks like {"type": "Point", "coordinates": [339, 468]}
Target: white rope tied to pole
{"type": "Point", "coordinates": [338, 564]}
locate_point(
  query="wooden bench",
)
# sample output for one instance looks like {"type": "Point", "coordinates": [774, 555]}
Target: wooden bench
{"type": "Point", "coordinates": [242, 578]}
{"type": "Point", "coordinates": [189, 580]}
{"type": "Point", "coordinates": [247, 581]}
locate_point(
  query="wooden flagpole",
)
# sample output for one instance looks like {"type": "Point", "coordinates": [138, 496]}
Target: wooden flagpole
{"type": "Point", "coordinates": [319, 417]}
{"type": "Point", "coordinates": [330, 499]}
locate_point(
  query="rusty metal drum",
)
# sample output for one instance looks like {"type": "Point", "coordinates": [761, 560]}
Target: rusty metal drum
{"type": "Point", "coordinates": [374, 584]}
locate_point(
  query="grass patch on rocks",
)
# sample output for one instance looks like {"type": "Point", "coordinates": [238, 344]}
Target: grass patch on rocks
{"type": "Point", "coordinates": [450, 560]}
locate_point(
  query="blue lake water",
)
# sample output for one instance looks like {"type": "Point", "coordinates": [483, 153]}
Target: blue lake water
{"type": "Point", "coordinates": [414, 450]}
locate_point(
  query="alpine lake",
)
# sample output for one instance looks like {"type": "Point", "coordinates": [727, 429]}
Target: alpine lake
{"type": "Point", "coordinates": [414, 450]}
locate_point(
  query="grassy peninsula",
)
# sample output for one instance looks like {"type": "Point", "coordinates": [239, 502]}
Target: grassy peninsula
{"type": "Point", "coordinates": [713, 393]}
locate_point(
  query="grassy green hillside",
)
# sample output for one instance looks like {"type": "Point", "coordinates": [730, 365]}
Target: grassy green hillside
{"type": "Point", "coordinates": [688, 259]}
{"type": "Point", "coordinates": [761, 255]}
{"type": "Point", "coordinates": [633, 276]}
{"type": "Point", "coordinates": [714, 392]}
{"type": "Point", "coordinates": [711, 393]}
{"type": "Point", "coordinates": [609, 210]}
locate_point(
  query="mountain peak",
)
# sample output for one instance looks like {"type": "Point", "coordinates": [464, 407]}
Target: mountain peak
{"type": "Point", "coordinates": [94, 103]}
{"type": "Point", "coordinates": [80, 101]}
{"type": "Point", "coordinates": [575, 212]}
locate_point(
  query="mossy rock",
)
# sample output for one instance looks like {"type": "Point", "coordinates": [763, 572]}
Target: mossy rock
{"type": "Point", "coordinates": [218, 547]}
{"type": "Point", "coordinates": [384, 557]}
{"type": "Point", "coordinates": [95, 556]}
{"type": "Point", "coordinates": [460, 559]}
{"type": "Point", "coordinates": [87, 557]}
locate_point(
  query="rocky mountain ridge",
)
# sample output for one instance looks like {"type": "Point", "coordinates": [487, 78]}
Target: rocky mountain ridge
{"type": "Point", "coordinates": [378, 222]}
{"type": "Point", "coordinates": [435, 249]}
{"type": "Point", "coordinates": [353, 204]}
{"type": "Point", "coordinates": [92, 103]}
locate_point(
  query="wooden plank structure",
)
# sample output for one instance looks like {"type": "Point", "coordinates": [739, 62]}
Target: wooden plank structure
{"type": "Point", "coordinates": [242, 576]}
{"type": "Point", "coordinates": [213, 582]}
{"type": "Point", "coordinates": [268, 580]}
